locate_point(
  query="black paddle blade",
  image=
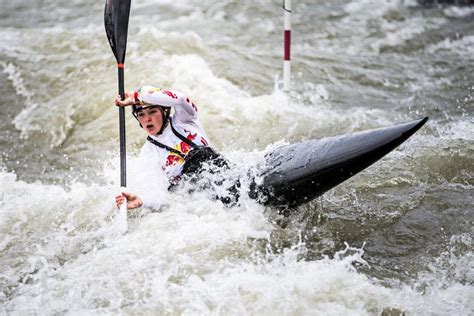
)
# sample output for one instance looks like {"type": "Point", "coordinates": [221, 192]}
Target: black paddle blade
{"type": "Point", "coordinates": [116, 16]}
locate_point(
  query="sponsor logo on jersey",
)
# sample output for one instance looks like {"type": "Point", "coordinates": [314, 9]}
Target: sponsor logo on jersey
{"type": "Point", "coordinates": [183, 147]}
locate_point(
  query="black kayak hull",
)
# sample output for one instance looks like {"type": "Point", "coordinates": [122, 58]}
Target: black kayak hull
{"type": "Point", "coordinates": [297, 173]}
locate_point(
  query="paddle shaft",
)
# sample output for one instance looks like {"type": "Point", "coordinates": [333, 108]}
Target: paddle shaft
{"type": "Point", "coordinates": [123, 152]}
{"type": "Point", "coordinates": [116, 16]}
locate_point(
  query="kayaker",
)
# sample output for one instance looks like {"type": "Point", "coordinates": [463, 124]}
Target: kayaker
{"type": "Point", "coordinates": [177, 141]}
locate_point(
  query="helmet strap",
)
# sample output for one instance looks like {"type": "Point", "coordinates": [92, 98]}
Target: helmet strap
{"type": "Point", "coordinates": [165, 114]}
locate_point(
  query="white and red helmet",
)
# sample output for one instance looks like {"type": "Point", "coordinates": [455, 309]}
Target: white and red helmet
{"type": "Point", "coordinates": [152, 96]}
{"type": "Point", "coordinates": [147, 96]}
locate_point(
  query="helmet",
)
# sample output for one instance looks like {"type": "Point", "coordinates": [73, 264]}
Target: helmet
{"type": "Point", "coordinates": [143, 101]}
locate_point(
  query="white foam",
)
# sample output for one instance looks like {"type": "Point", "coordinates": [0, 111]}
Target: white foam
{"type": "Point", "coordinates": [463, 46]}
{"type": "Point", "coordinates": [460, 130]}
{"type": "Point", "coordinates": [458, 12]}
{"type": "Point", "coordinates": [196, 256]}
{"type": "Point", "coordinates": [447, 293]}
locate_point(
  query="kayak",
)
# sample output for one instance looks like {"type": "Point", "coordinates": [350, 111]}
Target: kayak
{"type": "Point", "coordinates": [297, 173]}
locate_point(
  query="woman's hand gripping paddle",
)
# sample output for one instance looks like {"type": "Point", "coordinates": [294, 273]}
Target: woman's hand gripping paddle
{"type": "Point", "coordinates": [116, 16]}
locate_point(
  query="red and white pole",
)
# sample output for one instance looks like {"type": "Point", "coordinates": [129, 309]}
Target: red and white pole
{"type": "Point", "coordinates": [287, 46]}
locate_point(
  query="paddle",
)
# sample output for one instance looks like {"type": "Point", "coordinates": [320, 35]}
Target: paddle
{"type": "Point", "coordinates": [116, 16]}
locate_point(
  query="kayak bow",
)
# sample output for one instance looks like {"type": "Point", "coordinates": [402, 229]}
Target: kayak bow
{"type": "Point", "coordinates": [297, 173]}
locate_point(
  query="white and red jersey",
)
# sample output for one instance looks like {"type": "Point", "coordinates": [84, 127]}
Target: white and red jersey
{"type": "Point", "coordinates": [184, 120]}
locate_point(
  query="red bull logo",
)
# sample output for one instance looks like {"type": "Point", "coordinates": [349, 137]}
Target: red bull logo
{"type": "Point", "coordinates": [170, 94]}
{"type": "Point", "coordinates": [172, 159]}
{"type": "Point", "coordinates": [183, 147]}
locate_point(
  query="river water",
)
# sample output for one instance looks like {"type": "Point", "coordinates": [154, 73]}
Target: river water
{"type": "Point", "coordinates": [396, 238]}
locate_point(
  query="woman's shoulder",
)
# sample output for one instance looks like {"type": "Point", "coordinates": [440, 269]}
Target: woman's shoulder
{"type": "Point", "coordinates": [180, 123]}
{"type": "Point", "coordinates": [146, 148]}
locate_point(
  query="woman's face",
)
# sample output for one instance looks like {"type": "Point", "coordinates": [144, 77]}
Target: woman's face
{"type": "Point", "coordinates": [151, 120]}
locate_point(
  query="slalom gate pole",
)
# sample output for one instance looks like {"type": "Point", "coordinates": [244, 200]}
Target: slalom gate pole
{"type": "Point", "coordinates": [287, 46]}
